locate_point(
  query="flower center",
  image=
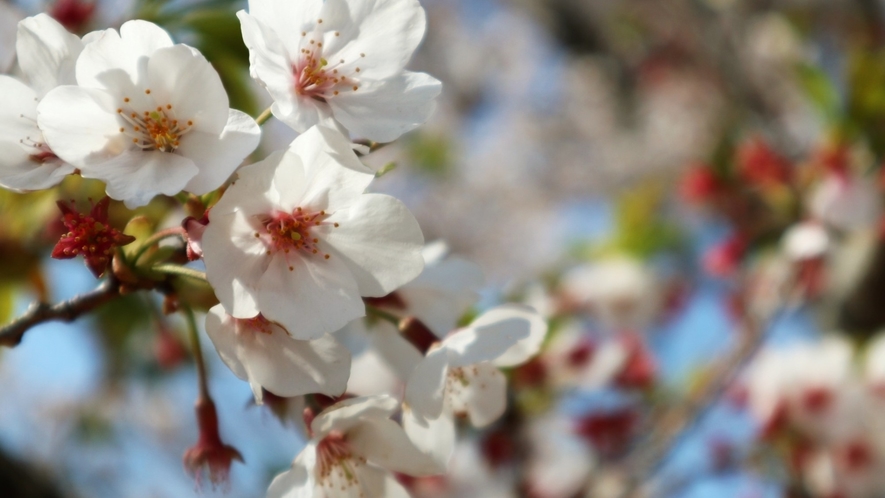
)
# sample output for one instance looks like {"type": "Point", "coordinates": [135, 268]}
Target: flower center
{"type": "Point", "coordinates": [316, 77]}
{"type": "Point", "coordinates": [156, 129]}
{"type": "Point", "coordinates": [336, 463]}
{"type": "Point", "coordinates": [290, 232]}
{"type": "Point", "coordinates": [38, 151]}
{"type": "Point", "coordinates": [257, 324]}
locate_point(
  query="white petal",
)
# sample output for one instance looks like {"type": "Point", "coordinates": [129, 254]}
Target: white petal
{"type": "Point", "coordinates": [47, 53]}
{"type": "Point", "coordinates": [268, 60]}
{"type": "Point", "coordinates": [482, 395]}
{"type": "Point", "coordinates": [18, 110]}
{"type": "Point", "coordinates": [9, 18]}
{"type": "Point", "coordinates": [370, 375]}
{"type": "Point", "coordinates": [372, 481]}
{"type": "Point", "coordinates": [218, 157]}
{"type": "Point", "coordinates": [308, 295]}
{"type": "Point", "coordinates": [442, 293]}
{"type": "Point", "coordinates": [253, 192]}
{"type": "Point", "coordinates": [136, 177]}
{"type": "Point", "coordinates": [180, 77]}
{"type": "Point", "coordinates": [129, 52]}
{"type": "Point", "coordinates": [287, 19]}
{"type": "Point", "coordinates": [384, 111]}
{"type": "Point", "coordinates": [20, 173]}
{"type": "Point", "coordinates": [526, 348]}
{"type": "Point", "coordinates": [344, 415]}
{"type": "Point", "coordinates": [354, 335]}
{"type": "Point", "coordinates": [300, 480]}
{"type": "Point", "coordinates": [273, 360]}
{"type": "Point", "coordinates": [387, 31]}
{"type": "Point", "coordinates": [379, 240]}
{"type": "Point", "coordinates": [234, 259]}
{"type": "Point", "coordinates": [221, 331]}
{"type": "Point", "coordinates": [384, 443]}
{"type": "Point", "coordinates": [80, 125]}
{"type": "Point", "coordinates": [434, 437]}
{"type": "Point", "coordinates": [424, 390]}
{"type": "Point", "coordinates": [489, 337]}
{"type": "Point", "coordinates": [395, 349]}
{"type": "Point", "coordinates": [335, 176]}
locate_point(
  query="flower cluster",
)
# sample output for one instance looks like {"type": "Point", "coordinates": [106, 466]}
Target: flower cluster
{"type": "Point", "coordinates": [295, 249]}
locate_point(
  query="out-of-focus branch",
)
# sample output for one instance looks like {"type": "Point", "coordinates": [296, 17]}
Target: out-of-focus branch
{"type": "Point", "coordinates": [65, 311]}
{"type": "Point", "coordinates": [667, 427]}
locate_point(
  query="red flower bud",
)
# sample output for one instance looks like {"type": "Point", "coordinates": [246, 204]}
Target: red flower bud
{"type": "Point", "coordinates": [209, 452]}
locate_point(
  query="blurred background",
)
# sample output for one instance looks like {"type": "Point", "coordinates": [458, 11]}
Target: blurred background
{"type": "Point", "coordinates": [688, 189]}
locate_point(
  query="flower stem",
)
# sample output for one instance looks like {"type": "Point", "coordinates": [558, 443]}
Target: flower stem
{"type": "Point", "coordinates": [154, 239]}
{"type": "Point", "coordinates": [378, 313]}
{"type": "Point", "coordinates": [180, 270]}
{"type": "Point", "coordinates": [194, 337]}
{"type": "Point", "coordinates": [263, 117]}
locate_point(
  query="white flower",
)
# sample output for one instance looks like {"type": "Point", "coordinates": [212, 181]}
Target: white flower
{"type": "Point", "coordinates": [341, 59]}
{"type": "Point", "coordinates": [460, 375]}
{"type": "Point", "coordinates": [264, 354]}
{"type": "Point", "coordinates": [559, 463]}
{"type": "Point", "coordinates": [620, 291]}
{"type": "Point", "coordinates": [442, 293]}
{"type": "Point", "coordinates": [438, 297]}
{"type": "Point", "coordinates": [47, 54]}
{"type": "Point", "coordinates": [149, 117]}
{"type": "Point", "coordinates": [353, 448]}
{"type": "Point", "coordinates": [296, 239]}
{"type": "Point", "coordinates": [800, 384]}
{"type": "Point", "coordinates": [804, 241]}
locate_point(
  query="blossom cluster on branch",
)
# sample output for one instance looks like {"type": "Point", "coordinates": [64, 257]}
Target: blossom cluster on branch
{"type": "Point", "coordinates": [295, 249]}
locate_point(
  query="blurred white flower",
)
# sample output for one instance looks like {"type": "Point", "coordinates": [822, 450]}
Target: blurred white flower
{"type": "Point", "coordinates": [9, 18]}
{"type": "Point", "coordinates": [806, 240]}
{"type": "Point", "coordinates": [846, 202]}
{"type": "Point", "coordinates": [341, 60]}
{"type": "Point", "coordinates": [297, 240]}
{"type": "Point", "coordinates": [149, 117]}
{"type": "Point", "coordinates": [800, 385]}
{"type": "Point", "coordinates": [620, 291]}
{"type": "Point", "coordinates": [353, 449]}
{"type": "Point", "coordinates": [560, 464]}
{"type": "Point", "coordinates": [461, 376]}
{"type": "Point", "coordinates": [46, 54]}
{"type": "Point", "coordinates": [264, 354]}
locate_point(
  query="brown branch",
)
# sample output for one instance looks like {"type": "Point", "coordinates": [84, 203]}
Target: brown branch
{"type": "Point", "coordinates": [65, 311]}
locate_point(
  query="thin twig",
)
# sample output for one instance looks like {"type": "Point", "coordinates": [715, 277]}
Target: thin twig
{"type": "Point", "coordinates": [264, 117]}
{"type": "Point", "coordinates": [65, 311]}
{"type": "Point", "coordinates": [196, 350]}
{"type": "Point", "coordinates": [183, 271]}
{"type": "Point", "coordinates": [671, 426]}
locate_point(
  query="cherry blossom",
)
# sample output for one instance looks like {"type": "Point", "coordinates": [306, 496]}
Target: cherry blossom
{"type": "Point", "coordinates": [47, 54]}
{"type": "Point", "coordinates": [341, 60]}
{"type": "Point", "coordinates": [441, 294]}
{"type": "Point", "coordinates": [264, 354]}
{"type": "Point", "coordinates": [296, 239]}
{"type": "Point", "coordinates": [353, 449]}
{"type": "Point", "coordinates": [799, 384]}
{"type": "Point", "coordinates": [149, 117]}
{"type": "Point", "coordinates": [460, 376]}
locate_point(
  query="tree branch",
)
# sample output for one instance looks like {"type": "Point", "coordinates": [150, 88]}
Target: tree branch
{"type": "Point", "coordinates": [65, 311]}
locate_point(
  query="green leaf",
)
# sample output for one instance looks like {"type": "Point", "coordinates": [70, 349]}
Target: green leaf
{"type": "Point", "coordinates": [820, 91]}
